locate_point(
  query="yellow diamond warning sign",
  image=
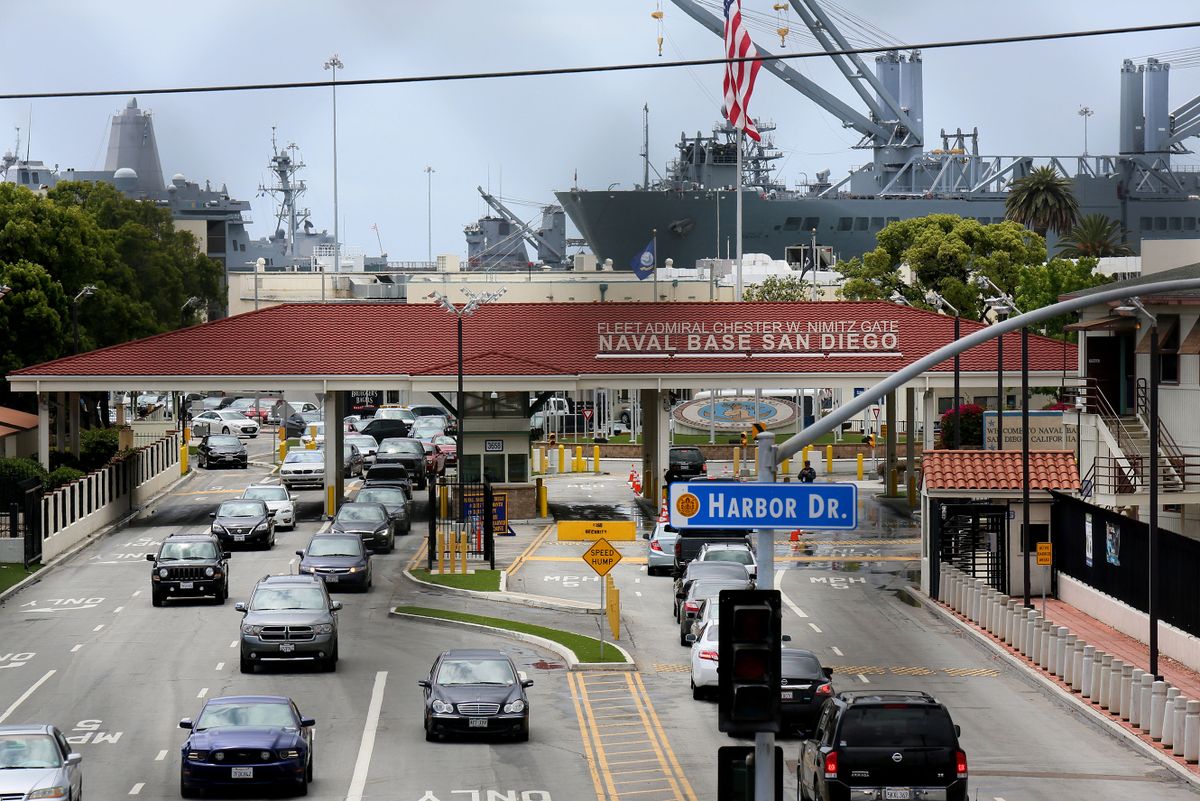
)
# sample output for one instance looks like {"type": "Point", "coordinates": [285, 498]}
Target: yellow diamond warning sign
{"type": "Point", "coordinates": [602, 557]}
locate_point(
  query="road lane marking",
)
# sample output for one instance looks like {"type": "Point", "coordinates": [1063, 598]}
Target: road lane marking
{"type": "Point", "coordinates": [366, 746]}
{"type": "Point", "coordinates": [203, 692]}
{"type": "Point", "coordinates": [220, 666]}
{"type": "Point", "coordinates": [838, 651]}
{"type": "Point", "coordinates": [161, 755]}
{"type": "Point", "coordinates": [136, 594]}
{"type": "Point", "coordinates": [815, 627]}
{"type": "Point", "coordinates": [98, 627]}
{"type": "Point", "coordinates": [137, 788]}
{"type": "Point", "coordinates": [865, 680]}
{"type": "Point", "coordinates": [788, 602]}
{"type": "Point", "coordinates": [638, 594]}
{"type": "Point", "coordinates": [13, 707]}
{"type": "Point", "coordinates": [636, 678]}
{"type": "Point", "coordinates": [76, 647]}
{"type": "Point", "coordinates": [233, 644]}
{"type": "Point", "coordinates": [637, 581]}
{"type": "Point", "coordinates": [118, 609]}
{"type": "Point", "coordinates": [585, 734]}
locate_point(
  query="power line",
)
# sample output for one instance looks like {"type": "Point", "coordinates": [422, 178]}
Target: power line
{"type": "Point", "coordinates": [651, 65]}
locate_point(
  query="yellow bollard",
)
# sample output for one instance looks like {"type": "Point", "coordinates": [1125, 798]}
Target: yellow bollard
{"type": "Point", "coordinates": [441, 552]}
{"type": "Point", "coordinates": [737, 460]}
{"type": "Point", "coordinates": [543, 502]}
{"type": "Point", "coordinates": [542, 459]}
{"type": "Point", "coordinates": [562, 459]}
{"type": "Point", "coordinates": [312, 438]}
{"type": "Point", "coordinates": [860, 467]}
{"type": "Point", "coordinates": [578, 466]}
{"type": "Point", "coordinates": [596, 459]}
{"type": "Point", "coordinates": [612, 604]}
{"type": "Point", "coordinates": [183, 458]}
{"type": "Point", "coordinates": [828, 458]}
{"type": "Point", "coordinates": [465, 548]}
{"type": "Point", "coordinates": [443, 501]}
{"type": "Point", "coordinates": [804, 455]}
{"type": "Point", "coordinates": [330, 505]}
{"type": "Point", "coordinates": [282, 449]}
{"type": "Point", "coordinates": [787, 464]}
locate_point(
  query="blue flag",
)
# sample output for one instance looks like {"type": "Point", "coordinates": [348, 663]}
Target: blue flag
{"type": "Point", "coordinates": [644, 264]}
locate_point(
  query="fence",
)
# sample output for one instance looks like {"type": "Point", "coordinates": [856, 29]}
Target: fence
{"type": "Point", "coordinates": [478, 518]}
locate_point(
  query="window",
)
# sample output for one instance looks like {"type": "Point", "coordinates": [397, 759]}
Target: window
{"type": "Point", "coordinates": [1189, 223]}
{"type": "Point", "coordinates": [893, 219]}
{"type": "Point", "coordinates": [791, 224]}
{"type": "Point", "coordinates": [812, 223]}
{"type": "Point", "coordinates": [470, 467]}
{"type": "Point", "coordinates": [1168, 348]}
{"type": "Point", "coordinates": [860, 223]}
{"type": "Point", "coordinates": [1146, 224]}
{"type": "Point", "coordinates": [876, 223]}
{"type": "Point", "coordinates": [518, 468]}
{"type": "Point", "coordinates": [1176, 224]}
{"type": "Point", "coordinates": [493, 467]}
{"type": "Point", "coordinates": [1160, 223]}
{"type": "Point", "coordinates": [845, 223]}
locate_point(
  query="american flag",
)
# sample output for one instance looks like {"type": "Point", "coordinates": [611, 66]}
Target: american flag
{"type": "Point", "coordinates": [739, 75]}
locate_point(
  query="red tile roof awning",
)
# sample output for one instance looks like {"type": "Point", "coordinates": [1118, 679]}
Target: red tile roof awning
{"type": "Point", "coordinates": [970, 471]}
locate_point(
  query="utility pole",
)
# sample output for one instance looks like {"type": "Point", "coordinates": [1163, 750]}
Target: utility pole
{"type": "Point", "coordinates": [334, 64]}
{"type": "Point", "coordinates": [429, 171]}
{"type": "Point", "coordinates": [1085, 112]}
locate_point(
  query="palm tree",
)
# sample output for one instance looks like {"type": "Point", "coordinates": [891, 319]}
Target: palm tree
{"type": "Point", "coordinates": [1043, 200]}
{"type": "Point", "coordinates": [1095, 235]}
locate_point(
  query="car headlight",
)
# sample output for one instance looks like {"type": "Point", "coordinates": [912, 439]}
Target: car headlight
{"type": "Point", "coordinates": [354, 570]}
{"type": "Point", "coordinates": [249, 629]}
{"type": "Point", "coordinates": [208, 571]}
{"type": "Point", "coordinates": [162, 572]}
{"type": "Point", "coordinates": [218, 528]}
{"type": "Point", "coordinates": [50, 792]}
{"type": "Point", "coordinates": [323, 628]}
{"type": "Point", "coordinates": [442, 708]}
{"type": "Point", "coordinates": [515, 706]}
{"type": "Point", "coordinates": [261, 526]}
{"type": "Point", "coordinates": [197, 756]}
{"type": "Point", "coordinates": [305, 569]}
{"type": "Point", "coordinates": [289, 753]}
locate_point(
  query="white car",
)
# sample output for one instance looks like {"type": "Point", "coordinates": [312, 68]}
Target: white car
{"type": "Point", "coordinates": [730, 552]}
{"type": "Point", "coordinates": [223, 421]}
{"type": "Point", "coordinates": [277, 499]}
{"type": "Point", "coordinates": [704, 660]}
{"type": "Point", "coordinates": [366, 446]}
{"type": "Point", "coordinates": [303, 468]}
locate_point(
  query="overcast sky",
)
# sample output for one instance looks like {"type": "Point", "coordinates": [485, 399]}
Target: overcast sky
{"type": "Point", "coordinates": [524, 137]}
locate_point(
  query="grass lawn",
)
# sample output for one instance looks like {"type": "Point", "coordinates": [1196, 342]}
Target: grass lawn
{"type": "Point", "coordinates": [587, 649]}
{"type": "Point", "coordinates": [11, 574]}
{"type": "Point", "coordinates": [480, 580]}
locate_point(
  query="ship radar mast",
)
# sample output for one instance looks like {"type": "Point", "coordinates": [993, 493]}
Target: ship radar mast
{"type": "Point", "coordinates": [286, 189]}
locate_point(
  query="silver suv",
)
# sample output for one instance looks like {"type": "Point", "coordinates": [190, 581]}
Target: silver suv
{"type": "Point", "coordinates": [289, 618]}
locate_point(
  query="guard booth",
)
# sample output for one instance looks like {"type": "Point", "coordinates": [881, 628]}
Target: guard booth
{"type": "Point", "coordinates": [475, 516]}
{"type": "Point", "coordinates": [21, 521]}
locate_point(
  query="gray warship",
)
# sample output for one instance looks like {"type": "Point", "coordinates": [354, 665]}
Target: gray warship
{"type": "Point", "coordinates": [692, 206]}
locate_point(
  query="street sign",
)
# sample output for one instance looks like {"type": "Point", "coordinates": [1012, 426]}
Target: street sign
{"type": "Point", "coordinates": [587, 414]}
{"type": "Point", "coordinates": [714, 504]}
{"type": "Point", "coordinates": [602, 557]}
{"type": "Point", "coordinates": [1045, 553]}
{"type": "Point", "coordinates": [591, 530]}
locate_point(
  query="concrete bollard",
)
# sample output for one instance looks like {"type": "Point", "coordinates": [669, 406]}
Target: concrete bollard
{"type": "Point", "coordinates": [1050, 657]}
{"type": "Point", "coordinates": [1144, 705]}
{"type": "Point", "coordinates": [1060, 654]}
{"type": "Point", "coordinates": [1179, 720]}
{"type": "Point", "coordinates": [1077, 666]}
{"type": "Point", "coordinates": [1135, 696]}
{"type": "Point", "coordinates": [1123, 703]}
{"type": "Point", "coordinates": [955, 590]}
{"type": "Point", "coordinates": [1046, 648]}
{"type": "Point", "coordinates": [1158, 704]}
{"type": "Point", "coordinates": [1068, 660]}
{"type": "Point", "coordinates": [1168, 725]}
{"type": "Point", "coordinates": [1031, 634]}
{"type": "Point", "coordinates": [976, 599]}
{"type": "Point", "coordinates": [1191, 732]}
{"type": "Point", "coordinates": [1085, 671]}
{"type": "Point", "coordinates": [1106, 667]}
{"type": "Point", "coordinates": [943, 583]}
{"type": "Point", "coordinates": [1096, 686]}
{"type": "Point", "coordinates": [1018, 627]}
{"type": "Point", "coordinates": [1112, 699]}
{"type": "Point", "coordinates": [985, 610]}
{"type": "Point", "coordinates": [1011, 612]}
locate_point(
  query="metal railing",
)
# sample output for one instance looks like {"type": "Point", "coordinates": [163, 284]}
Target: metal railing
{"type": "Point", "coordinates": [1131, 474]}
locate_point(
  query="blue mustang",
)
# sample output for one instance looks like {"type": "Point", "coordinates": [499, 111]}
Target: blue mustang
{"type": "Point", "coordinates": [257, 741]}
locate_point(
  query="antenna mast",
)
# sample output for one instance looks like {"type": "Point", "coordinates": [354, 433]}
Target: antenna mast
{"type": "Point", "coordinates": [646, 146]}
{"type": "Point", "coordinates": [286, 189]}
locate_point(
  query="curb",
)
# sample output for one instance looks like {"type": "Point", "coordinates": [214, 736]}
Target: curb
{"type": "Point", "coordinates": [116, 525]}
{"type": "Point", "coordinates": [566, 653]}
{"type": "Point", "coordinates": [1075, 700]}
{"type": "Point", "coordinates": [519, 598]}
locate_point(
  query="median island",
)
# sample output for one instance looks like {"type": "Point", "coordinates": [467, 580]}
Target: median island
{"type": "Point", "coordinates": [479, 580]}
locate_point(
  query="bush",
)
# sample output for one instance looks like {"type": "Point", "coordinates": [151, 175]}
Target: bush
{"type": "Point", "coordinates": [971, 416]}
{"type": "Point", "coordinates": [96, 447]}
{"type": "Point", "coordinates": [63, 459]}
{"type": "Point", "coordinates": [14, 471]}
{"type": "Point", "coordinates": [62, 475]}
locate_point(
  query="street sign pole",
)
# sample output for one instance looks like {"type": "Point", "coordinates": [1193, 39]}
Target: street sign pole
{"type": "Point", "coordinates": [764, 742]}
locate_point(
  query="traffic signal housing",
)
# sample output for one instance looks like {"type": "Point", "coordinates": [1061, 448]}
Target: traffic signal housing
{"type": "Point", "coordinates": [871, 440]}
{"type": "Point", "coordinates": [748, 666]}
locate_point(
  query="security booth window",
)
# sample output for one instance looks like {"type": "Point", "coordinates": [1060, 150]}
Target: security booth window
{"type": "Point", "coordinates": [493, 467]}
{"type": "Point", "coordinates": [518, 468]}
{"type": "Point", "coordinates": [469, 464]}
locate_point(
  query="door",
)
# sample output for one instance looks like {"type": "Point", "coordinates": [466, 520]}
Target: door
{"type": "Point", "coordinates": [1111, 369]}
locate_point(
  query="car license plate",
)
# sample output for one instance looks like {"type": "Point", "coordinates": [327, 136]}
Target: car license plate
{"type": "Point", "coordinates": [242, 773]}
{"type": "Point", "coordinates": [330, 577]}
{"type": "Point", "coordinates": [897, 793]}
{"type": "Point", "coordinates": [786, 695]}
{"type": "Point", "coordinates": [286, 647]}
{"type": "Point", "coordinates": [239, 537]}
{"type": "Point", "coordinates": [186, 585]}
{"type": "Point", "coordinates": [477, 723]}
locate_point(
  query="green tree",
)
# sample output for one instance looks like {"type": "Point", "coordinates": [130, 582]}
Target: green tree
{"type": "Point", "coordinates": [1094, 235]}
{"type": "Point", "coordinates": [34, 317]}
{"type": "Point", "coordinates": [1044, 201]}
{"type": "Point", "coordinates": [781, 288]}
{"type": "Point", "coordinates": [1043, 284]}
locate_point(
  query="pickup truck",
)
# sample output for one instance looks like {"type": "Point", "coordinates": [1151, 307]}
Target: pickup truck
{"type": "Point", "coordinates": [691, 540]}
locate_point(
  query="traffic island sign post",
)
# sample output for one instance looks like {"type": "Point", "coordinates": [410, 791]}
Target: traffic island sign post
{"type": "Point", "coordinates": [602, 557]}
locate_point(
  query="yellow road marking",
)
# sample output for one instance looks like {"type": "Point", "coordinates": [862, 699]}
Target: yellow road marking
{"type": "Point", "coordinates": [605, 770]}
{"type": "Point", "coordinates": [637, 678]}
{"type": "Point", "coordinates": [415, 562]}
{"type": "Point", "coordinates": [637, 560]}
{"type": "Point", "coordinates": [832, 558]}
{"type": "Point", "coordinates": [587, 745]}
{"type": "Point", "coordinates": [533, 546]}
{"type": "Point", "coordinates": [658, 747]}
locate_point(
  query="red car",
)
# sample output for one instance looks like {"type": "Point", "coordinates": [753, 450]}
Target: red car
{"type": "Point", "coordinates": [449, 447]}
{"type": "Point", "coordinates": [435, 460]}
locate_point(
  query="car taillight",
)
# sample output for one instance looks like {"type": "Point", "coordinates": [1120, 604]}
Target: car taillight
{"type": "Point", "coordinates": [960, 764]}
{"type": "Point", "coordinates": [824, 689]}
{"type": "Point", "coordinates": [691, 606]}
{"type": "Point", "coordinates": [831, 765]}
{"type": "Point", "coordinates": [704, 467]}
{"type": "Point", "coordinates": [709, 655]}
{"type": "Point", "coordinates": [654, 546]}
{"type": "Point", "coordinates": [678, 547]}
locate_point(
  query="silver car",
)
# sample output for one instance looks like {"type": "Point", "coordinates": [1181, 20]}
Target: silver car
{"type": "Point", "coordinates": [303, 468]}
{"type": "Point", "coordinates": [729, 552]}
{"type": "Point", "coordinates": [660, 551]}
{"type": "Point", "coordinates": [289, 618]}
{"type": "Point", "coordinates": [37, 762]}
{"type": "Point", "coordinates": [277, 499]}
{"type": "Point", "coordinates": [366, 446]}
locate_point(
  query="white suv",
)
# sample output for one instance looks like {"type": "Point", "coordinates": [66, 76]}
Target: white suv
{"type": "Point", "coordinates": [729, 552]}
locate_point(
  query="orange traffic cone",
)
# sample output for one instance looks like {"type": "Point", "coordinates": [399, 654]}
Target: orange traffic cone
{"type": "Point", "coordinates": [632, 476]}
{"type": "Point", "coordinates": [663, 515]}
{"type": "Point", "coordinates": [795, 535]}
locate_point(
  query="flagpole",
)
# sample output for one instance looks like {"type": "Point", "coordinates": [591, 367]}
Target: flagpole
{"type": "Point", "coordinates": [654, 245]}
{"type": "Point", "coordinates": [737, 286]}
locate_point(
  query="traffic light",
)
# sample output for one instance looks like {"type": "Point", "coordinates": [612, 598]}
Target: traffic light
{"type": "Point", "coordinates": [748, 672]}
{"type": "Point", "coordinates": [735, 773]}
{"type": "Point", "coordinates": [743, 439]}
{"type": "Point", "coordinates": [871, 440]}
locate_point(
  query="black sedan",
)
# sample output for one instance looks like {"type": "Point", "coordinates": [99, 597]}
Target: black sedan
{"type": "Point", "coordinates": [477, 691]}
{"type": "Point", "coordinates": [368, 521]}
{"type": "Point", "coordinates": [222, 450]}
{"type": "Point", "coordinates": [244, 522]}
{"type": "Point", "coordinates": [247, 742]}
{"type": "Point", "coordinates": [395, 499]}
{"type": "Point", "coordinates": [806, 685]}
{"type": "Point", "coordinates": [340, 560]}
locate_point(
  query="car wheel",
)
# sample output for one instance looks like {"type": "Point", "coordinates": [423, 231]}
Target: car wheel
{"type": "Point", "coordinates": [683, 637]}
{"type": "Point", "coordinates": [245, 665]}
{"type": "Point", "coordinates": [225, 430]}
{"type": "Point", "coordinates": [223, 593]}
{"type": "Point", "coordinates": [301, 787]}
{"type": "Point", "coordinates": [156, 598]}
{"type": "Point", "coordinates": [202, 462]}
{"type": "Point", "coordinates": [697, 692]}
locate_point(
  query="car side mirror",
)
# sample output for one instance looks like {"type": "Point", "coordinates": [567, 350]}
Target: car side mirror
{"type": "Point", "coordinates": [226, 555]}
{"type": "Point", "coordinates": [150, 557]}
{"type": "Point", "coordinates": [527, 682]}
{"type": "Point", "coordinates": [335, 606]}
{"type": "Point", "coordinates": [307, 722]}
{"type": "Point", "coordinates": [828, 671]}
{"type": "Point", "coordinates": [186, 723]}
{"type": "Point", "coordinates": [690, 638]}
{"type": "Point", "coordinates": [240, 606]}
{"type": "Point", "coordinates": [300, 554]}
{"type": "Point", "coordinates": [423, 683]}
{"type": "Point", "coordinates": [212, 515]}
{"type": "Point", "coordinates": [270, 513]}
{"type": "Point", "coordinates": [786, 638]}
{"type": "Point", "coordinates": [957, 730]}
{"type": "Point", "coordinates": [74, 759]}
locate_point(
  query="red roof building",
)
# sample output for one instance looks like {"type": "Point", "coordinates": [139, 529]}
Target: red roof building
{"type": "Point", "coordinates": [959, 472]}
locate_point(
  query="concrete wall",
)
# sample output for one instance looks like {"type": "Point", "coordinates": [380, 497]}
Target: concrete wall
{"type": "Point", "coordinates": [1166, 254]}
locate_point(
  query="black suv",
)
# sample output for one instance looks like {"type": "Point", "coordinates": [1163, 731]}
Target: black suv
{"type": "Point", "coordinates": [686, 462]}
{"type": "Point", "coordinates": [890, 744]}
{"type": "Point", "coordinates": [189, 565]}
{"type": "Point", "coordinates": [216, 450]}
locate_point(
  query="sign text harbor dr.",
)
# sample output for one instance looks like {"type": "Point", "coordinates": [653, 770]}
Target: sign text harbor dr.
{"type": "Point", "coordinates": [714, 504]}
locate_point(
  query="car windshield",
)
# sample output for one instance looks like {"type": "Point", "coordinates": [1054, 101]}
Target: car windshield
{"type": "Point", "coordinates": [395, 414]}
{"type": "Point", "coordinates": [304, 456]}
{"type": "Point", "coordinates": [897, 726]}
{"type": "Point", "coordinates": [739, 555]}
{"type": "Point", "coordinates": [711, 589]}
{"type": "Point", "coordinates": [334, 546]}
{"type": "Point", "coordinates": [360, 513]}
{"type": "Point", "coordinates": [274, 598]}
{"type": "Point", "coordinates": [28, 751]}
{"type": "Point", "coordinates": [266, 493]}
{"type": "Point", "coordinates": [219, 715]}
{"type": "Point", "coordinates": [240, 509]}
{"type": "Point", "coordinates": [227, 415]}
{"type": "Point", "coordinates": [801, 666]}
{"type": "Point", "coordinates": [388, 497]}
{"type": "Point", "coordinates": [363, 443]}
{"type": "Point", "coordinates": [223, 441]}
{"type": "Point", "coordinates": [444, 441]}
{"type": "Point", "coordinates": [475, 671]}
{"type": "Point", "coordinates": [188, 550]}
{"type": "Point", "coordinates": [396, 445]}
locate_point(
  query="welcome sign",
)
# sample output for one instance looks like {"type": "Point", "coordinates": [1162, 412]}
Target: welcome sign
{"type": "Point", "coordinates": [774, 337]}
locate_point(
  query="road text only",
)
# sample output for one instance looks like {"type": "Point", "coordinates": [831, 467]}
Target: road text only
{"type": "Point", "coordinates": [719, 505]}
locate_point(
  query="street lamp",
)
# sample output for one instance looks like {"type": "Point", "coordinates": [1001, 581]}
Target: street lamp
{"type": "Point", "coordinates": [189, 303]}
{"type": "Point", "coordinates": [1085, 112]}
{"type": "Point", "coordinates": [1001, 306]}
{"type": "Point", "coordinates": [334, 64]}
{"type": "Point", "coordinates": [1131, 307]}
{"type": "Point", "coordinates": [474, 301]}
{"type": "Point", "coordinates": [86, 292]}
{"type": "Point", "coordinates": [935, 299]}
{"type": "Point", "coordinates": [429, 171]}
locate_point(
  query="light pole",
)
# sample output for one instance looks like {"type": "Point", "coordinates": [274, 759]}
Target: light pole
{"type": "Point", "coordinates": [1085, 112]}
{"type": "Point", "coordinates": [466, 310]}
{"type": "Point", "coordinates": [1001, 305]}
{"type": "Point", "coordinates": [935, 299]}
{"type": "Point", "coordinates": [86, 292]}
{"type": "Point", "coordinates": [429, 171]}
{"type": "Point", "coordinates": [334, 64]}
{"type": "Point", "coordinates": [183, 312]}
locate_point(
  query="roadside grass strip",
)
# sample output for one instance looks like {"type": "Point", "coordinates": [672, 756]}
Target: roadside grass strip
{"type": "Point", "coordinates": [587, 649]}
{"type": "Point", "coordinates": [14, 573]}
{"type": "Point", "coordinates": [480, 580]}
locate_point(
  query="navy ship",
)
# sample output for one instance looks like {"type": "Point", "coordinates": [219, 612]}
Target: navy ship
{"type": "Point", "coordinates": [692, 206]}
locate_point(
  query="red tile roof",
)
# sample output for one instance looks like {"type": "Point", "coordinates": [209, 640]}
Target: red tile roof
{"type": "Point", "coordinates": [998, 470]}
{"type": "Point", "coordinates": [17, 420]}
{"type": "Point", "coordinates": [521, 339]}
